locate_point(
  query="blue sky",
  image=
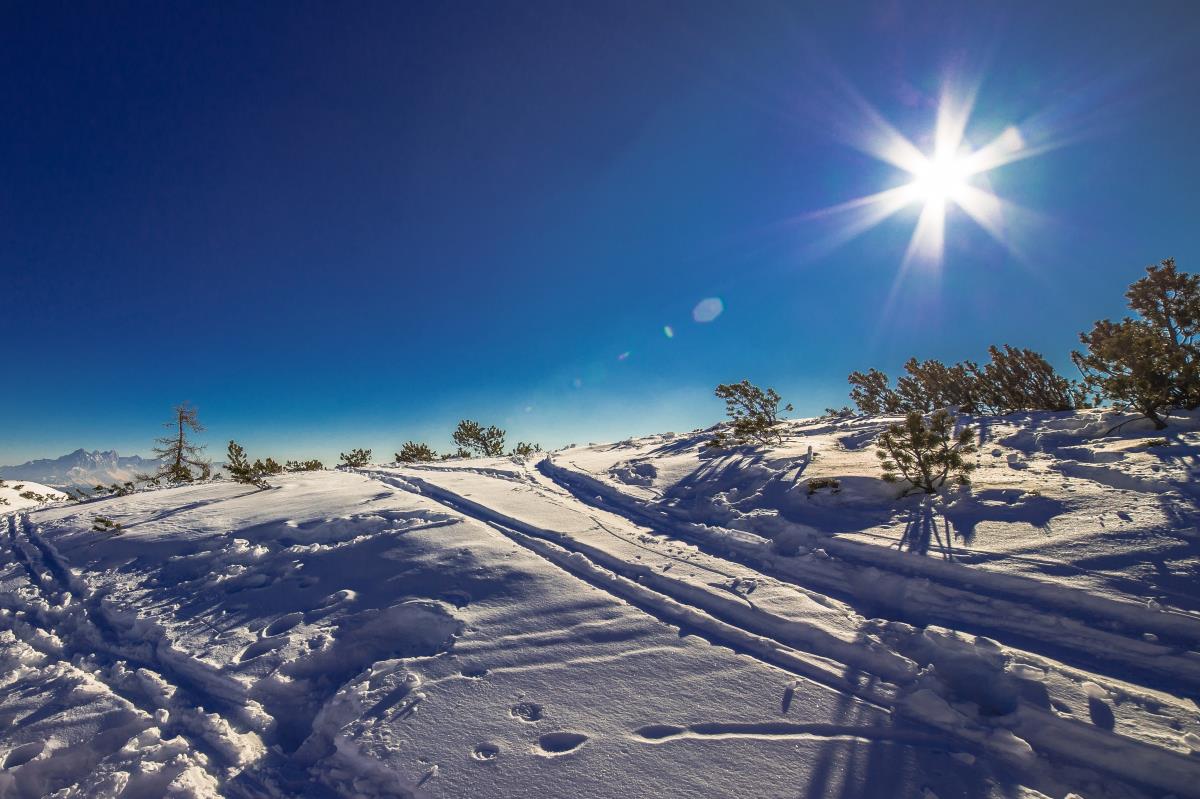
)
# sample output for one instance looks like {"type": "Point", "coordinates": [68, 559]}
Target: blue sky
{"type": "Point", "coordinates": [335, 225]}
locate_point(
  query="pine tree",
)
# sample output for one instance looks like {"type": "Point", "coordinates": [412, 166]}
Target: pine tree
{"type": "Point", "coordinates": [269, 466]}
{"type": "Point", "coordinates": [239, 468]}
{"type": "Point", "coordinates": [925, 453]}
{"type": "Point", "coordinates": [929, 385]}
{"type": "Point", "coordinates": [487, 442]}
{"type": "Point", "coordinates": [312, 465]}
{"type": "Point", "coordinates": [356, 457]}
{"type": "Point", "coordinates": [524, 449]}
{"type": "Point", "coordinates": [412, 452]}
{"type": "Point", "coordinates": [754, 413]}
{"type": "Point", "coordinates": [1022, 380]}
{"type": "Point", "coordinates": [1152, 362]}
{"type": "Point", "coordinates": [179, 455]}
{"type": "Point", "coordinates": [870, 392]}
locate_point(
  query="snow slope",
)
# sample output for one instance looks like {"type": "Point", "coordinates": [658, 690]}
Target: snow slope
{"type": "Point", "coordinates": [648, 618]}
{"type": "Point", "coordinates": [35, 494]}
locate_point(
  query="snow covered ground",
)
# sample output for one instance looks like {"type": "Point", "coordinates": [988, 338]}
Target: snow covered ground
{"type": "Point", "coordinates": [21, 495]}
{"type": "Point", "coordinates": [647, 618]}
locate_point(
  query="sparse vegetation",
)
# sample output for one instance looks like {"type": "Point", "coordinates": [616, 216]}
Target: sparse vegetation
{"type": "Point", "coordinates": [183, 462]}
{"type": "Point", "coordinates": [524, 449]}
{"type": "Point", "coordinates": [269, 466]}
{"type": "Point", "coordinates": [817, 483]}
{"type": "Point", "coordinates": [241, 470]}
{"type": "Point", "coordinates": [754, 414]}
{"type": "Point", "coordinates": [472, 437]}
{"type": "Point", "coordinates": [113, 489]}
{"type": "Point", "coordinates": [1150, 363]}
{"type": "Point", "coordinates": [412, 452]}
{"type": "Point", "coordinates": [311, 465]}
{"type": "Point", "coordinates": [103, 524]}
{"type": "Point", "coordinates": [355, 457]}
{"type": "Point", "coordinates": [925, 452]}
{"type": "Point", "coordinates": [1013, 380]}
{"type": "Point", "coordinates": [871, 393]}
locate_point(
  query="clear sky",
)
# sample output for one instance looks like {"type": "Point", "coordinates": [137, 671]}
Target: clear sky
{"type": "Point", "coordinates": [349, 224]}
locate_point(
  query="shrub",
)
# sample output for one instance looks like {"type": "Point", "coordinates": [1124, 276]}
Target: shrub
{"type": "Point", "coordinates": [355, 457]}
{"type": "Point", "coordinates": [471, 436]}
{"type": "Point", "coordinates": [1150, 363]}
{"type": "Point", "coordinates": [312, 465]}
{"type": "Point", "coordinates": [112, 490]}
{"type": "Point", "coordinates": [524, 449]}
{"type": "Point", "coordinates": [239, 468]}
{"type": "Point", "coordinates": [1014, 380]}
{"type": "Point", "coordinates": [269, 466]}
{"type": "Point", "coordinates": [870, 392]}
{"type": "Point", "coordinates": [925, 453]}
{"type": "Point", "coordinates": [103, 524]}
{"type": "Point", "coordinates": [412, 452]}
{"type": "Point", "coordinates": [1022, 380]}
{"type": "Point", "coordinates": [754, 413]}
{"type": "Point", "coordinates": [931, 384]}
{"type": "Point", "coordinates": [817, 483]}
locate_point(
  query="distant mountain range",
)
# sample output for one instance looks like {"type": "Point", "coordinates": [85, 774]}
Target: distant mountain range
{"type": "Point", "coordinates": [81, 468]}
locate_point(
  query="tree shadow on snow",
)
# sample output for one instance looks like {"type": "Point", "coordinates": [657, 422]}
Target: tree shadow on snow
{"type": "Point", "coordinates": [1000, 505]}
{"type": "Point", "coordinates": [923, 531]}
{"type": "Point", "coordinates": [892, 759]}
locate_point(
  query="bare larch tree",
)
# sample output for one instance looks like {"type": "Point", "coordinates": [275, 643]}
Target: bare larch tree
{"type": "Point", "coordinates": [179, 455]}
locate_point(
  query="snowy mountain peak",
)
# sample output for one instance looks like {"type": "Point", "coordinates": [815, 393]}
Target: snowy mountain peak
{"type": "Point", "coordinates": [81, 468]}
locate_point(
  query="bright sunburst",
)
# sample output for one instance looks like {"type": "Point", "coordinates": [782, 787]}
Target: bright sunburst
{"type": "Point", "coordinates": [952, 174]}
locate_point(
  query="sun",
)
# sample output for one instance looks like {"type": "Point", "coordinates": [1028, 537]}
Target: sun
{"type": "Point", "coordinates": [941, 179]}
{"type": "Point", "coordinates": [951, 173]}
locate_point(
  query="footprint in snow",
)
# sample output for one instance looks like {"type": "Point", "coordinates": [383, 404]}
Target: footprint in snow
{"type": "Point", "coordinates": [284, 623]}
{"type": "Point", "coordinates": [553, 744]}
{"type": "Point", "coordinates": [486, 752]}
{"type": "Point", "coordinates": [23, 754]}
{"type": "Point", "coordinates": [458, 599]}
{"type": "Point", "coordinates": [261, 647]}
{"type": "Point", "coordinates": [526, 711]}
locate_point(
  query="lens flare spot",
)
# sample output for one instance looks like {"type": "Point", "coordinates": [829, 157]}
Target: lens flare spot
{"type": "Point", "coordinates": [708, 309]}
{"type": "Point", "coordinates": [624, 356]}
{"type": "Point", "coordinates": [668, 331]}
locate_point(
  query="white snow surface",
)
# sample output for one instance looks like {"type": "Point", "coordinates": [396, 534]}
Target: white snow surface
{"type": "Point", "coordinates": [22, 495]}
{"type": "Point", "coordinates": [646, 618]}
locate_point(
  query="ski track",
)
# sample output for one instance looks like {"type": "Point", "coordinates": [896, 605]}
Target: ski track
{"type": "Point", "coordinates": [62, 608]}
{"type": "Point", "coordinates": [806, 652]}
{"type": "Point", "coordinates": [58, 615]}
{"type": "Point", "coordinates": [1087, 631]}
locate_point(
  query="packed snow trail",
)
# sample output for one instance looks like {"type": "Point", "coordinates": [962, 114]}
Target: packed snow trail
{"type": "Point", "coordinates": [606, 549]}
{"type": "Point", "coordinates": [1095, 632]}
{"type": "Point", "coordinates": [385, 646]}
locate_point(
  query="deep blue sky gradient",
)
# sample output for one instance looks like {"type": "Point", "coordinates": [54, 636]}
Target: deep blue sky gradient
{"type": "Point", "coordinates": [335, 225]}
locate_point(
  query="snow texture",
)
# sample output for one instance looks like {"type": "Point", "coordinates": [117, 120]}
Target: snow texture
{"type": "Point", "coordinates": [647, 618]}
